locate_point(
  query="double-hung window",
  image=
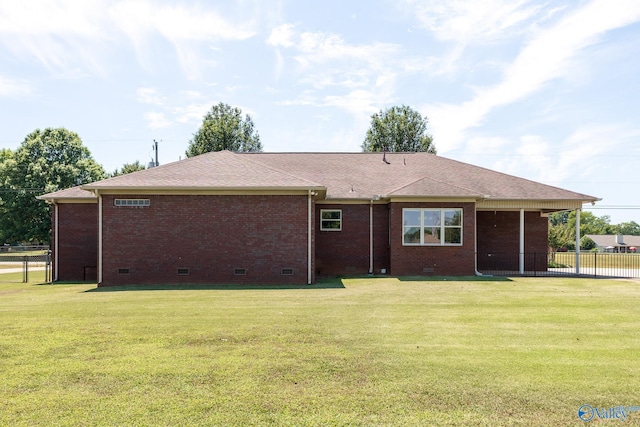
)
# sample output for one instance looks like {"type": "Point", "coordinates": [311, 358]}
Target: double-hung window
{"type": "Point", "coordinates": [330, 219]}
{"type": "Point", "coordinates": [432, 227]}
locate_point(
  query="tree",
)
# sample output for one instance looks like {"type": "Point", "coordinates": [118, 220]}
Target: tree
{"type": "Point", "coordinates": [398, 129]}
{"type": "Point", "coordinates": [631, 228]}
{"type": "Point", "coordinates": [45, 161]}
{"type": "Point", "coordinates": [560, 237]}
{"type": "Point", "coordinates": [5, 156]}
{"type": "Point", "coordinates": [128, 168]}
{"type": "Point", "coordinates": [562, 226]}
{"type": "Point", "coordinates": [224, 129]}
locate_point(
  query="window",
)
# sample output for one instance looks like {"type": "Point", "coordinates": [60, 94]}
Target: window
{"type": "Point", "coordinates": [432, 226]}
{"type": "Point", "coordinates": [132, 202]}
{"type": "Point", "coordinates": [330, 220]}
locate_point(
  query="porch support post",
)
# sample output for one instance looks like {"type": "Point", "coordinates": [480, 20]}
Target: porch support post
{"type": "Point", "coordinates": [99, 238]}
{"type": "Point", "coordinates": [521, 260]}
{"type": "Point", "coordinates": [578, 240]}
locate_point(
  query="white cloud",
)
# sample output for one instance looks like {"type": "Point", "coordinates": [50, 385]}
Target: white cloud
{"type": "Point", "coordinates": [156, 120]}
{"type": "Point", "coordinates": [282, 36]}
{"type": "Point", "coordinates": [151, 96]}
{"type": "Point", "coordinates": [71, 34]}
{"type": "Point", "coordinates": [13, 87]}
{"type": "Point", "coordinates": [360, 77]}
{"type": "Point", "coordinates": [546, 57]}
{"type": "Point", "coordinates": [191, 113]}
{"type": "Point", "coordinates": [186, 27]}
{"type": "Point", "coordinates": [63, 34]}
{"type": "Point", "coordinates": [188, 106]}
{"type": "Point", "coordinates": [472, 21]}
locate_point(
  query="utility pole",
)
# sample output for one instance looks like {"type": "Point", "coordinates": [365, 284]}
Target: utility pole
{"type": "Point", "coordinates": [155, 148]}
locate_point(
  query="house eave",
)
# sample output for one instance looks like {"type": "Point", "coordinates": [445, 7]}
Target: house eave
{"type": "Point", "coordinates": [77, 200]}
{"type": "Point", "coordinates": [532, 204]}
{"type": "Point", "coordinates": [172, 191]}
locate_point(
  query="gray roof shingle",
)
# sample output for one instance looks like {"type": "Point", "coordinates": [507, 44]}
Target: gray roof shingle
{"type": "Point", "coordinates": [343, 175]}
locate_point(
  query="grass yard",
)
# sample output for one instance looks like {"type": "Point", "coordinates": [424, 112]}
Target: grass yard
{"type": "Point", "coordinates": [357, 352]}
{"type": "Point", "coordinates": [599, 259]}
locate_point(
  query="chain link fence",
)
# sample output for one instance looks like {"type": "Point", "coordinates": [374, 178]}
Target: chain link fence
{"type": "Point", "coordinates": [26, 267]}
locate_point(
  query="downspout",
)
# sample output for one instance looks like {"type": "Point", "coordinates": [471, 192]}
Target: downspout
{"type": "Point", "coordinates": [578, 240]}
{"type": "Point", "coordinates": [371, 237]}
{"type": "Point", "coordinates": [475, 244]}
{"type": "Point", "coordinates": [521, 261]}
{"type": "Point", "coordinates": [99, 237]}
{"type": "Point", "coordinates": [309, 240]}
{"type": "Point", "coordinates": [56, 235]}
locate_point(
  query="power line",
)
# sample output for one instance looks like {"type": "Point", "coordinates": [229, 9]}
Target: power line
{"type": "Point", "coordinates": [611, 207]}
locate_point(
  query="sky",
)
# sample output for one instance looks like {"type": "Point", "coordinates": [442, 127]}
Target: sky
{"type": "Point", "coordinates": [545, 90]}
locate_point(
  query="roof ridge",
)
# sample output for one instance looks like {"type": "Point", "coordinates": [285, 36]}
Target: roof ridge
{"type": "Point", "coordinates": [276, 169]}
{"type": "Point", "coordinates": [434, 180]}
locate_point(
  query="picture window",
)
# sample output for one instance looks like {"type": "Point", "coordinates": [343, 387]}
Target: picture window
{"type": "Point", "coordinates": [432, 227]}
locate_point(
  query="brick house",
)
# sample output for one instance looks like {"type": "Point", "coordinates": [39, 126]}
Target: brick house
{"type": "Point", "coordinates": [226, 217]}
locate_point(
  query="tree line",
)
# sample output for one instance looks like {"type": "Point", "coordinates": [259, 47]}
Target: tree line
{"type": "Point", "coordinates": [55, 159]}
{"type": "Point", "coordinates": [562, 229]}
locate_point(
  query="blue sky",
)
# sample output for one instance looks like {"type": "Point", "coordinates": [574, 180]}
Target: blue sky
{"type": "Point", "coordinates": [545, 90]}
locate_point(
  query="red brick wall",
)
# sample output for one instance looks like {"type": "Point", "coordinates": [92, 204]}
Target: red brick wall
{"type": "Point", "coordinates": [347, 252]}
{"type": "Point", "coordinates": [211, 236]}
{"type": "Point", "coordinates": [78, 245]}
{"type": "Point", "coordinates": [433, 260]}
{"type": "Point", "coordinates": [499, 240]}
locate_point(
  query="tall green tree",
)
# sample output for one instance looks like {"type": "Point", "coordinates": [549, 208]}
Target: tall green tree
{"type": "Point", "coordinates": [223, 128]}
{"type": "Point", "coordinates": [562, 226]}
{"type": "Point", "coordinates": [5, 156]}
{"type": "Point", "coordinates": [128, 168]}
{"type": "Point", "coordinates": [46, 161]}
{"type": "Point", "coordinates": [630, 228]}
{"type": "Point", "coordinates": [399, 129]}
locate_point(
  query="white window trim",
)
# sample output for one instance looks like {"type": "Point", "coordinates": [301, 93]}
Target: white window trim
{"type": "Point", "coordinates": [442, 226]}
{"type": "Point", "coordinates": [332, 220]}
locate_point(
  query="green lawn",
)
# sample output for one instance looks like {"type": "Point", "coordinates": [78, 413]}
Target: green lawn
{"type": "Point", "coordinates": [599, 259]}
{"type": "Point", "coordinates": [371, 351]}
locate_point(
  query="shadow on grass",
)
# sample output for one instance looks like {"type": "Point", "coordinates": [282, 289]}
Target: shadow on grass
{"type": "Point", "coordinates": [323, 284]}
{"type": "Point", "coordinates": [62, 283]}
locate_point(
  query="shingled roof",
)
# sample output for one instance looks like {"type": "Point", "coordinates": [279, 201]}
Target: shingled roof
{"type": "Point", "coordinates": [342, 176]}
